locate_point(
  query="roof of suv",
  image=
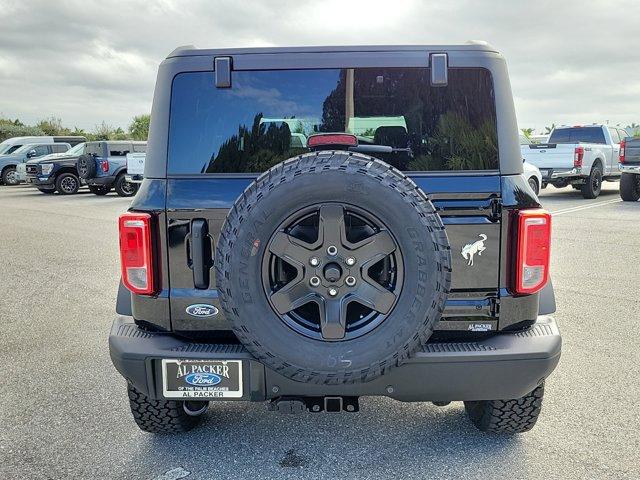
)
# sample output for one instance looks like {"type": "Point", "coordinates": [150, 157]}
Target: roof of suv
{"type": "Point", "coordinates": [190, 50]}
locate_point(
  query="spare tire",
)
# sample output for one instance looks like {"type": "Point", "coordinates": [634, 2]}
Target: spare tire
{"type": "Point", "coordinates": [333, 267]}
{"type": "Point", "coordinates": [86, 166]}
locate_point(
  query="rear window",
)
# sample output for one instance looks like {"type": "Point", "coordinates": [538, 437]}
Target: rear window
{"type": "Point", "coordinates": [577, 134]}
{"type": "Point", "coordinates": [119, 149]}
{"type": "Point", "coordinates": [267, 117]}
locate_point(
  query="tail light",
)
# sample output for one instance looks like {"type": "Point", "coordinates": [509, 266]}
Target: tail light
{"type": "Point", "coordinates": [578, 155]}
{"type": "Point", "coordinates": [532, 251]}
{"type": "Point", "coordinates": [104, 164]}
{"type": "Point", "coordinates": [623, 144]}
{"type": "Point", "coordinates": [136, 255]}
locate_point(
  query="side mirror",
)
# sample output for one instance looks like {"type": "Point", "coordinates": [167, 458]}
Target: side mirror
{"type": "Point", "coordinates": [31, 154]}
{"type": "Point", "coordinates": [524, 160]}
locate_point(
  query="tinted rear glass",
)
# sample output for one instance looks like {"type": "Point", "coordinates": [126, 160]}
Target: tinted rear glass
{"type": "Point", "coordinates": [267, 117]}
{"type": "Point", "coordinates": [577, 134]}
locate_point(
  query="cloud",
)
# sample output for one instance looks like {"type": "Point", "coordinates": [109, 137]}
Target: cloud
{"type": "Point", "coordinates": [570, 61]}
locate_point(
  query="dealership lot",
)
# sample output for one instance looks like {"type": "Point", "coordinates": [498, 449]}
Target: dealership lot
{"type": "Point", "coordinates": [64, 411]}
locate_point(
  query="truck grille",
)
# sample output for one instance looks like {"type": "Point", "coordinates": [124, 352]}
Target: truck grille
{"type": "Point", "coordinates": [32, 169]}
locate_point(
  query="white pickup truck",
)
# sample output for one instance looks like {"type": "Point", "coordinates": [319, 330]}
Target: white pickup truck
{"type": "Point", "coordinates": [135, 167]}
{"type": "Point", "coordinates": [581, 156]}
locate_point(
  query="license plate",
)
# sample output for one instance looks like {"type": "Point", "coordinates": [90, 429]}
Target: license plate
{"type": "Point", "coordinates": [202, 379]}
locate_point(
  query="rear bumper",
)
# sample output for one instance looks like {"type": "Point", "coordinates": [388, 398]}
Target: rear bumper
{"type": "Point", "coordinates": [551, 174]}
{"type": "Point", "coordinates": [504, 366]}
{"type": "Point", "coordinates": [629, 168]}
{"type": "Point", "coordinates": [134, 178]}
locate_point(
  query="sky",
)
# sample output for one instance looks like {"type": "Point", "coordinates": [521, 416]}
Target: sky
{"type": "Point", "coordinates": [569, 61]}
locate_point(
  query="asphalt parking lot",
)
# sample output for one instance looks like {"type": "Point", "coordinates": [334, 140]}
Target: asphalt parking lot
{"type": "Point", "coordinates": [64, 412]}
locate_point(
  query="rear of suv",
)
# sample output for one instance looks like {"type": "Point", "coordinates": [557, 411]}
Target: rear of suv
{"type": "Point", "coordinates": [320, 224]}
{"type": "Point", "coordinates": [103, 166]}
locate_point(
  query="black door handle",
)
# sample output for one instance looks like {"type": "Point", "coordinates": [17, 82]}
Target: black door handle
{"type": "Point", "coordinates": [200, 253]}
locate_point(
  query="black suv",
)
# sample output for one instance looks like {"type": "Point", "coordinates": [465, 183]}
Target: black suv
{"type": "Point", "coordinates": [321, 224]}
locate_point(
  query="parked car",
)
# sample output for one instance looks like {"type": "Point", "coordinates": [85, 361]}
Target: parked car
{"type": "Point", "coordinates": [135, 167]}
{"type": "Point", "coordinates": [10, 161]}
{"type": "Point", "coordinates": [533, 176]}
{"type": "Point", "coordinates": [10, 145]}
{"type": "Point", "coordinates": [55, 172]}
{"type": "Point", "coordinates": [630, 169]}
{"type": "Point", "coordinates": [103, 165]}
{"type": "Point", "coordinates": [583, 156]}
{"type": "Point", "coordinates": [257, 269]}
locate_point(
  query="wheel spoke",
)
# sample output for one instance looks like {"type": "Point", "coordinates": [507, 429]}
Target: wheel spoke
{"type": "Point", "coordinates": [293, 295]}
{"type": "Point", "coordinates": [333, 318]}
{"type": "Point", "coordinates": [331, 226]}
{"type": "Point", "coordinates": [289, 248]}
{"type": "Point", "coordinates": [373, 295]}
{"type": "Point", "coordinates": [374, 248]}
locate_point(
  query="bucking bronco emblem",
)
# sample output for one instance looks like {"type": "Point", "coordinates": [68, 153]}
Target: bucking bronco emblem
{"type": "Point", "coordinates": [470, 249]}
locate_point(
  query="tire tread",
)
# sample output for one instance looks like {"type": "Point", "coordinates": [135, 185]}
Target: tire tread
{"type": "Point", "coordinates": [507, 416]}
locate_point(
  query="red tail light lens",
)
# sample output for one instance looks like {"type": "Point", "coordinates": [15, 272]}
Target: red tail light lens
{"type": "Point", "coordinates": [578, 155]}
{"type": "Point", "coordinates": [533, 251]}
{"type": "Point", "coordinates": [104, 164]}
{"type": "Point", "coordinates": [342, 139]}
{"type": "Point", "coordinates": [623, 145]}
{"type": "Point", "coordinates": [136, 256]}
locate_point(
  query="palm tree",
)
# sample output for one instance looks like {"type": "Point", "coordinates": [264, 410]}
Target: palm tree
{"type": "Point", "coordinates": [527, 132]}
{"type": "Point", "coordinates": [547, 130]}
{"type": "Point", "coordinates": [633, 129]}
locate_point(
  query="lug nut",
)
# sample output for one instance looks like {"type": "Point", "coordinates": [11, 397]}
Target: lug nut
{"type": "Point", "coordinates": [350, 261]}
{"type": "Point", "coordinates": [314, 281]}
{"type": "Point", "coordinates": [332, 250]}
{"type": "Point", "coordinates": [350, 281]}
{"type": "Point", "coordinates": [313, 261]}
{"type": "Point", "coordinates": [333, 292]}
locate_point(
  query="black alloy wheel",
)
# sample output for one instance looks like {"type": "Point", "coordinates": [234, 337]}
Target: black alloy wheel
{"type": "Point", "coordinates": [67, 184]}
{"type": "Point", "coordinates": [332, 272]}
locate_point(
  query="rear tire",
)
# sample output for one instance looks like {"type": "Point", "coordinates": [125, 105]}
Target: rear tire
{"type": "Point", "coordinates": [99, 189]}
{"type": "Point", "coordinates": [162, 416]}
{"type": "Point", "coordinates": [67, 184]}
{"type": "Point", "coordinates": [506, 416]}
{"type": "Point", "coordinates": [533, 183]}
{"type": "Point", "coordinates": [125, 188]}
{"type": "Point", "coordinates": [593, 184]}
{"type": "Point", "coordinates": [630, 187]}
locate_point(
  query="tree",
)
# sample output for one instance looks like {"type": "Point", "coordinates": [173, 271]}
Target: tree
{"type": "Point", "coordinates": [139, 127]}
{"type": "Point", "coordinates": [52, 126]}
{"type": "Point", "coordinates": [104, 131]}
{"type": "Point", "coordinates": [547, 130]}
{"type": "Point", "coordinates": [633, 129]}
{"type": "Point", "coordinates": [527, 132]}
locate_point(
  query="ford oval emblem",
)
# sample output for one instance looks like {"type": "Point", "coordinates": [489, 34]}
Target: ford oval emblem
{"type": "Point", "coordinates": [202, 379]}
{"type": "Point", "coordinates": [202, 310]}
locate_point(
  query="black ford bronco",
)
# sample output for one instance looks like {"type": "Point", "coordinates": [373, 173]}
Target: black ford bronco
{"type": "Point", "coordinates": [320, 224]}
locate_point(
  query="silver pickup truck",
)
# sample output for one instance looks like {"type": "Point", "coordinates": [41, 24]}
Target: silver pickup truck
{"type": "Point", "coordinates": [582, 156]}
{"type": "Point", "coordinates": [630, 169]}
